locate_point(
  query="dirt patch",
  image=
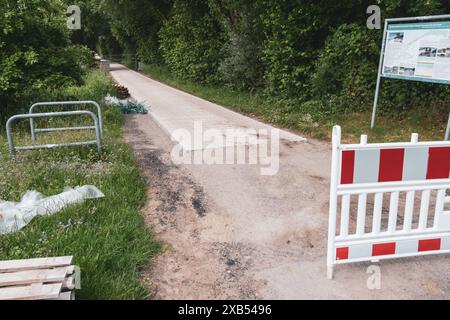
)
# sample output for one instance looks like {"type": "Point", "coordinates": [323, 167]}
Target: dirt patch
{"type": "Point", "coordinates": [198, 202]}
{"type": "Point", "coordinates": [237, 260]}
{"type": "Point", "coordinates": [191, 266]}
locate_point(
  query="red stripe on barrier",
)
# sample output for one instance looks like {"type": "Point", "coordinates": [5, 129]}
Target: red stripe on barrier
{"type": "Point", "coordinates": [342, 253]}
{"type": "Point", "coordinates": [438, 163]}
{"type": "Point", "coordinates": [391, 165]}
{"type": "Point", "coordinates": [383, 249]}
{"type": "Point", "coordinates": [348, 167]}
{"type": "Point", "coordinates": [429, 245]}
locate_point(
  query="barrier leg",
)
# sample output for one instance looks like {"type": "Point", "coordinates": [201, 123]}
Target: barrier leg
{"type": "Point", "coordinates": [333, 201]}
{"type": "Point", "coordinates": [33, 133]}
{"type": "Point", "coordinates": [330, 270]}
{"type": "Point", "coordinates": [9, 136]}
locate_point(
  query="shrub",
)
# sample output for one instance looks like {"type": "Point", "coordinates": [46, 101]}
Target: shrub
{"type": "Point", "coordinates": [347, 67]}
{"type": "Point", "coordinates": [36, 53]}
{"type": "Point", "coordinates": [191, 41]}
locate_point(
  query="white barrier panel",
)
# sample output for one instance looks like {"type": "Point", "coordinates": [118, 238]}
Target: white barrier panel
{"type": "Point", "coordinates": [388, 200]}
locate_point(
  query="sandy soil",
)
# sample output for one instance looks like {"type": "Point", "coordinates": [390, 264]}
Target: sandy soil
{"type": "Point", "coordinates": [190, 268]}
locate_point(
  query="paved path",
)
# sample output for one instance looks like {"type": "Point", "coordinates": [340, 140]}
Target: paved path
{"type": "Point", "coordinates": [235, 233]}
{"type": "Point", "coordinates": [166, 105]}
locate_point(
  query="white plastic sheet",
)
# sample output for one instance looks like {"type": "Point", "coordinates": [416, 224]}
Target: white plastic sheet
{"type": "Point", "coordinates": [114, 101]}
{"type": "Point", "coordinates": [14, 216]}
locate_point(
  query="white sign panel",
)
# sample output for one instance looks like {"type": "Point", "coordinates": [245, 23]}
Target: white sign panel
{"type": "Point", "coordinates": [418, 51]}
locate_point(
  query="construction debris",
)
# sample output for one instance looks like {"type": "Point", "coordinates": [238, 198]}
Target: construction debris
{"type": "Point", "coordinates": [126, 106]}
{"type": "Point", "coordinates": [15, 216]}
{"type": "Point", "coordinates": [38, 279]}
{"type": "Point", "coordinates": [122, 92]}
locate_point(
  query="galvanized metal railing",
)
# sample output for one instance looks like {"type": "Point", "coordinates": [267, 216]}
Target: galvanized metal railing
{"type": "Point", "coordinates": [33, 116]}
{"type": "Point", "coordinates": [64, 103]}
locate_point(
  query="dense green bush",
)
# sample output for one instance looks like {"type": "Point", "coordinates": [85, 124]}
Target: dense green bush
{"type": "Point", "coordinates": [191, 41]}
{"type": "Point", "coordinates": [132, 25]}
{"type": "Point", "coordinates": [36, 53]}
{"type": "Point", "coordinates": [241, 67]}
{"type": "Point", "coordinates": [291, 49]}
{"type": "Point", "coordinates": [295, 32]}
{"type": "Point", "coordinates": [346, 68]}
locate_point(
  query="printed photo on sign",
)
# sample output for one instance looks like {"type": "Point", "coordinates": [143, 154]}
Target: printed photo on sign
{"type": "Point", "coordinates": [427, 52]}
{"type": "Point", "coordinates": [443, 53]}
{"type": "Point", "coordinates": [396, 37]}
{"type": "Point", "coordinates": [407, 71]}
{"type": "Point", "coordinates": [391, 70]}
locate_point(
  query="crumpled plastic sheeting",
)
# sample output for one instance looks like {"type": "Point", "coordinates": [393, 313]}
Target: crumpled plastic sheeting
{"type": "Point", "coordinates": [14, 216]}
{"type": "Point", "coordinates": [113, 101]}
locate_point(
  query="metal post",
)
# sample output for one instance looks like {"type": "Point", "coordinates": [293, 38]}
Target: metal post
{"type": "Point", "coordinates": [377, 90]}
{"type": "Point", "coordinates": [447, 132]}
{"type": "Point", "coordinates": [98, 132]}
{"type": "Point", "coordinates": [33, 131]}
{"type": "Point", "coordinates": [12, 150]}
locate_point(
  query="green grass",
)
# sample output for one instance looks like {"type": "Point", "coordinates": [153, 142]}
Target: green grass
{"type": "Point", "coordinates": [107, 237]}
{"type": "Point", "coordinates": [308, 118]}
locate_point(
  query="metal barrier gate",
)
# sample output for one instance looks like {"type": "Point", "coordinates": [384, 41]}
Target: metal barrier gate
{"type": "Point", "coordinates": [391, 199]}
{"type": "Point", "coordinates": [64, 103]}
{"type": "Point", "coordinates": [13, 119]}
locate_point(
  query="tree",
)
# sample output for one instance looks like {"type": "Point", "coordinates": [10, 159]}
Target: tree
{"type": "Point", "coordinates": [192, 40]}
{"type": "Point", "coordinates": [36, 54]}
{"type": "Point", "coordinates": [135, 25]}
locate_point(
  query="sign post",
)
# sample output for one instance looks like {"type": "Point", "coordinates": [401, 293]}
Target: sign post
{"type": "Point", "coordinates": [415, 49]}
{"type": "Point", "coordinates": [447, 132]}
{"type": "Point", "coordinates": [377, 90]}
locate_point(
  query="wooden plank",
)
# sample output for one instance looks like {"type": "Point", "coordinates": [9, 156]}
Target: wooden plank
{"type": "Point", "coordinates": [31, 264]}
{"type": "Point", "coordinates": [70, 270]}
{"type": "Point", "coordinates": [68, 284]}
{"type": "Point", "coordinates": [32, 292]}
{"type": "Point", "coordinates": [69, 295]}
{"type": "Point", "coordinates": [33, 276]}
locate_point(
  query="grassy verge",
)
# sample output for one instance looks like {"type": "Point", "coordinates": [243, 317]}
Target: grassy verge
{"type": "Point", "coordinates": [307, 117]}
{"type": "Point", "coordinates": [107, 237]}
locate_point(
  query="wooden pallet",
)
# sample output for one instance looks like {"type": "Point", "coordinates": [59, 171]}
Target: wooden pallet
{"type": "Point", "coordinates": [37, 279]}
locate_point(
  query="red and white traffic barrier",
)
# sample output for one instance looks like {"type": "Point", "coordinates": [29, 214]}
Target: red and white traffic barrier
{"type": "Point", "coordinates": [395, 175]}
